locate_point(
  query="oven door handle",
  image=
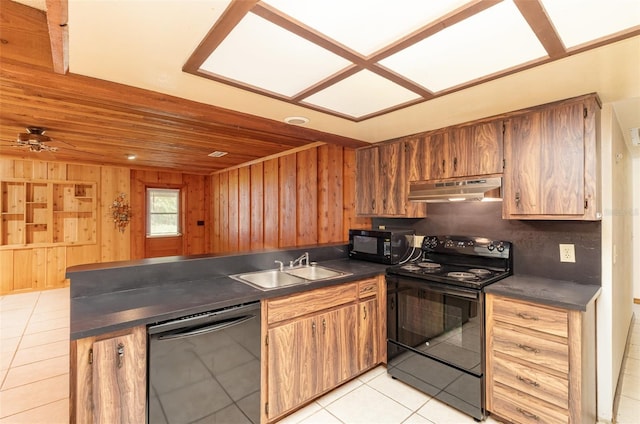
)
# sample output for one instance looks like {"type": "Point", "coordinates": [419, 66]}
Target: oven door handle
{"type": "Point", "coordinates": [204, 330]}
{"type": "Point", "coordinates": [438, 288]}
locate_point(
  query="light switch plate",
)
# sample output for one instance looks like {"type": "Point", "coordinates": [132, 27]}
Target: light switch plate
{"type": "Point", "coordinates": [567, 253]}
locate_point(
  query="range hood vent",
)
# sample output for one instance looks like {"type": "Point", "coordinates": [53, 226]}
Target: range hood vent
{"type": "Point", "coordinates": [480, 189]}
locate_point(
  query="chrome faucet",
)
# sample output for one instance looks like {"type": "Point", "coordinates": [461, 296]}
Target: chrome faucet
{"type": "Point", "coordinates": [281, 265]}
{"type": "Point", "coordinates": [303, 259]}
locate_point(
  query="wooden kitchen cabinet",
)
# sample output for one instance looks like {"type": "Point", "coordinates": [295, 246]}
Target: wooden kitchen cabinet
{"type": "Point", "coordinates": [551, 163]}
{"type": "Point", "coordinates": [462, 151]}
{"type": "Point", "coordinates": [381, 183]}
{"type": "Point", "coordinates": [540, 362]}
{"type": "Point", "coordinates": [317, 340]}
{"type": "Point", "coordinates": [108, 378]}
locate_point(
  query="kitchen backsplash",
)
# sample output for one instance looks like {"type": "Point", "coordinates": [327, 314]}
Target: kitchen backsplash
{"type": "Point", "coordinates": [536, 250]}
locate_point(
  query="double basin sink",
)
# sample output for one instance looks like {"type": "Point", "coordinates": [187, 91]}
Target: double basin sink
{"type": "Point", "coordinates": [275, 278]}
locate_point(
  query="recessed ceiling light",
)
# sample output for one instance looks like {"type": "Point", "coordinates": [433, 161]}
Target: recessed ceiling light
{"type": "Point", "coordinates": [131, 157]}
{"type": "Point", "coordinates": [296, 120]}
{"type": "Point", "coordinates": [217, 154]}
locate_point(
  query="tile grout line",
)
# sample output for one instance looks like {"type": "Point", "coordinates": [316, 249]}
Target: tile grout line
{"type": "Point", "coordinates": [13, 355]}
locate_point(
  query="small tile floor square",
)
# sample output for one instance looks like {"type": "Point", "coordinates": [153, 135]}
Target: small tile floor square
{"type": "Point", "coordinates": [34, 376]}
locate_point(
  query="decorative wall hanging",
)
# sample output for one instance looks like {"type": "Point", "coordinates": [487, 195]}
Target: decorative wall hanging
{"type": "Point", "coordinates": [120, 212]}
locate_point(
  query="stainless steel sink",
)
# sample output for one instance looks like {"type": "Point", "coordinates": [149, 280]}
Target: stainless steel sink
{"type": "Point", "coordinates": [315, 272]}
{"type": "Point", "coordinates": [273, 278]}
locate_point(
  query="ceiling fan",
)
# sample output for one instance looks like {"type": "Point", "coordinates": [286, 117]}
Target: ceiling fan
{"type": "Point", "coordinates": [34, 139]}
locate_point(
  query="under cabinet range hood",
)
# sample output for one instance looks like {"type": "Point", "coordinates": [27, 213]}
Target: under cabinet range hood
{"type": "Point", "coordinates": [478, 189]}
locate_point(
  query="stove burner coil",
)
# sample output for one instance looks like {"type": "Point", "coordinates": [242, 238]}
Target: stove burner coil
{"type": "Point", "coordinates": [480, 272]}
{"type": "Point", "coordinates": [461, 275]}
{"type": "Point", "coordinates": [411, 267]}
{"type": "Point", "coordinates": [429, 265]}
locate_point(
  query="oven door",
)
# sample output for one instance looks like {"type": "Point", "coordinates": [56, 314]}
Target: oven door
{"type": "Point", "coordinates": [435, 340]}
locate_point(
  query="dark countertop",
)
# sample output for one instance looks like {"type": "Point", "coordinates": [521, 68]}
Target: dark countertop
{"type": "Point", "coordinates": [107, 312]}
{"type": "Point", "coordinates": [558, 293]}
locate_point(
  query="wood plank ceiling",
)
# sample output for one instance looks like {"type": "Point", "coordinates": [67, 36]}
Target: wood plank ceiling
{"type": "Point", "coordinates": [95, 121]}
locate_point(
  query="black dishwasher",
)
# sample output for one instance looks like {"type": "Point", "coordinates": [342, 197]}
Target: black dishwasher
{"type": "Point", "coordinates": [206, 367]}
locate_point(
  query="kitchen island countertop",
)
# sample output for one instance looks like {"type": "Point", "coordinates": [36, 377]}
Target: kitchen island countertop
{"type": "Point", "coordinates": [558, 293]}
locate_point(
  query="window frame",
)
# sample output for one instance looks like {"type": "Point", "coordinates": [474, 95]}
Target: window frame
{"type": "Point", "coordinates": [180, 213]}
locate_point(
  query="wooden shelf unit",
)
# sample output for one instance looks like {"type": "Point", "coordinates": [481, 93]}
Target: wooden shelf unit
{"type": "Point", "coordinates": [47, 212]}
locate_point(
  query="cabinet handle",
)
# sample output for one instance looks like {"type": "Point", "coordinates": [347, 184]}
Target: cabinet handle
{"type": "Point", "coordinates": [528, 414]}
{"type": "Point", "coordinates": [364, 309]}
{"type": "Point", "coordinates": [517, 197]}
{"type": "Point", "coordinates": [527, 316]}
{"type": "Point", "coordinates": [455, 164]}
{"type": "Point", "coordinates": [120, 355]}
{"type": "Point", "coordinates": [313, 328]}
{"type": "Point", "coordinates": [373, 205]}
{"type": "Point", "coordinates": [528, 381]}
{"type": "Point", "coordinates": [393, 303]}
{"type": "Point", "coordinates": [528, 348]}
{"type": "Point", "coordinates": [324, 326]}
{"type": "Point", "coordinates": [443, 166]}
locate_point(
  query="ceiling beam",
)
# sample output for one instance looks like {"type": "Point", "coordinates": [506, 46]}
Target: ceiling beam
{"type": "Point", "coordinates": [57, 18]}
{"type": "Point", "coordinates": [537, 18]}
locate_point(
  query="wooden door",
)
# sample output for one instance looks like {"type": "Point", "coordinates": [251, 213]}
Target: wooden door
{"type": "Point", "coordinates": [293, 360]}
{"type": "Point", "coordinates": [485, 152]}
{"type": "Point", "coordinates": [368, 340]}
{"type": "Point", "coordinates": [120, 378]}
{"type": "Point", "coordinates": [338, 360]}
{"type": "Point", "coordinates": [367, 177]}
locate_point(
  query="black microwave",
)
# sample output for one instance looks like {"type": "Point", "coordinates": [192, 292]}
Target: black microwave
{"type": "Point", "coordinates": [383, 246]}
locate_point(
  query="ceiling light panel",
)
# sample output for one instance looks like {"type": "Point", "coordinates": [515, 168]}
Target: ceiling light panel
{"type": "Point", "coordinates": [263, 55]}
{"type": "Point", "coordinates": [495, 39]}
{"type": "Point", "coordinates": [355, 96]}
{"type": "Point", "coordinates": [579, 21]}
{"type": "Point", "coordinates": [365, 26]}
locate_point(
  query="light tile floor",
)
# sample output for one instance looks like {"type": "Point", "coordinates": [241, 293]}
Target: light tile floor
{"type": "Point", "coordinates": [34, 376]}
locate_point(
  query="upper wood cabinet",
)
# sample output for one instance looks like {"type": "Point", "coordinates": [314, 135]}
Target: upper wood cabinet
{"type": "Point", "coordinates": [464, 151]}
{"type": "Point", "coordinates": [381, 182]}
{"type": "Point", "coordinates": [108, 378]}
{"type": "Point", "coordinates": [551, 161]}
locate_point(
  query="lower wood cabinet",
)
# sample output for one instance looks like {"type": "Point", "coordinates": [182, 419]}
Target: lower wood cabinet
{"type": "Point", "coordinates": [540, 362]}
{"type": "Point", "coordinates": [108, 378]}
{"type": "Point", "coordinates": [317, 340]}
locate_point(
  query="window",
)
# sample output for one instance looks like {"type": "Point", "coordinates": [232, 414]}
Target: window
{"type": "Point", "coordinates": [163, 212]}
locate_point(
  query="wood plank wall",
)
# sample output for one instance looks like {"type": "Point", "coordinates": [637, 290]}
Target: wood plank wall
{"type": "Point", "coordinates": [26, 269]}
{"type": "Point", "coordinates": [298, 199]}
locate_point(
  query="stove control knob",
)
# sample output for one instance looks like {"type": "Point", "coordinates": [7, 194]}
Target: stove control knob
{"type": "Point", "coordinates": [491, 247]}
{"type": "Point", "coordinates": [500, 247]}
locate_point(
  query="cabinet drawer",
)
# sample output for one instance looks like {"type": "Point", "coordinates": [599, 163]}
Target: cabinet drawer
{"type": "Point", "coordinates": [539, 384]}
{"type": "Point", "coordinates": [534, 317]}
{"type": "Point", "coordinates": [367, 288]}
{"type": "Point", "coordinates": [539, 351]}
{"type": "Point", "coordinates": [521, 408]}
{"type": "Point", "coordinates": [297, 305]}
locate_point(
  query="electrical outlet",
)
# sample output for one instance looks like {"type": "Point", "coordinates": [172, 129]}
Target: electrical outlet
{"type": "Point", "coordinates": [417, 241]}
{"type": "Point", "coordinates": [567, 253]}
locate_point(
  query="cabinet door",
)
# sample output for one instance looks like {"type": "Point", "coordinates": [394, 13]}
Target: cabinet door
{"type": "Point", "coordinates": [367, 175]}
{"type": "Point", "coordinates": [368, 340]}
{"type": "Point", "coordinates": [109, 378]}
{"type": "Point", "coordinates": [119, 379]}
{"type": "Point", "coordinates": [545, 157]}
{"type": "Point", "coordinates": [392, 190]}
{"type": "Point", "coordinates": [485, 150]}
{"type": "Point", "coordinates": [337, 331]}
{"type": "Point", "coordinates": [437, 166]}
{"type": "Point", "coordinates": [293, 365]}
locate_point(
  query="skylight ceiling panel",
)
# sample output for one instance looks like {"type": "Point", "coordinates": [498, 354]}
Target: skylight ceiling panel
{"type": "Point", "coordinates": [366, 26]}
{"type": "Point", "coordinates": [493, 40]}
{"type": "Point", "coordinates": [580, 21]}
{"type": "Point", "coordinates": [355, 96]}
{"type": "Point", "coordinates": [263, 55]}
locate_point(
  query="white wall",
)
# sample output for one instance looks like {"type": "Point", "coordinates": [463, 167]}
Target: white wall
{"type": "Point", "coordinates": [614, 305]}
{"type": "Point", "coordinates": [635, 186]}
